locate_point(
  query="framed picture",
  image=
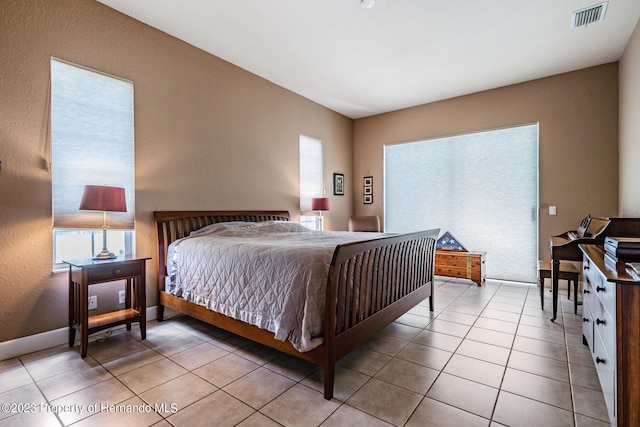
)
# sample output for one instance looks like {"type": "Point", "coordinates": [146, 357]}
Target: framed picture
{"type": "Point", "coordinates": [338, 184]}
{"type": "Point", "coordinates": [367, 189]}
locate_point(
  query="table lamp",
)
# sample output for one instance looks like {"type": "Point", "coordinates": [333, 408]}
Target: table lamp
{"type": "Point", "coordinates": [106, 199]}
{"type": "Point", "coordinates": [320, 204]}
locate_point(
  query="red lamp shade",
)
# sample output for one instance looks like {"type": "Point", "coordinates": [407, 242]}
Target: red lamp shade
{"type": "Point", "coordinates": [320, 204]}
{"type": "Point", "coordinates": [103, 198]}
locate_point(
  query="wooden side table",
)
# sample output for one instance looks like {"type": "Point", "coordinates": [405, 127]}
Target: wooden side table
{"type": "Point", "coordinates": [85, 273]}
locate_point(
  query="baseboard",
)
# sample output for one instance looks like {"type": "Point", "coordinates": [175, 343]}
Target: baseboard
{"type": "Point", "coordinates": [29, 344]}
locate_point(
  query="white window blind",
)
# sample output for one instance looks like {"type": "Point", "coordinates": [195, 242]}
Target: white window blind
{"type": "Point", "coordinates": [92, 143]}
{"type": "Point", "coordinates": [311, 175]}
{"type": "Point", "coordinates": [481, 187]}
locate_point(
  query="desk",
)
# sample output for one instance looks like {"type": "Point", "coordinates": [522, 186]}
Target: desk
{"type": "Point", "coordinates": [85, 273]}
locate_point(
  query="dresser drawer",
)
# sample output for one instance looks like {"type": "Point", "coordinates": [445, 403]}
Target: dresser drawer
{"type": "Point", "coordinates": [587, 325]}
{"type": "Point", "coordinates": [588, 269]}
{"type": "Point", "coordinates": [605, 291]}
{"type": "Point", "coordinates": [110, 272]}
{"type": "Point", "coordinates": [588, 291]}
{"type": "Point", "coordinates": [450, 271]}
{"type": "Point", "coordinates": [604, 326]}
{"type": "Point", "coordinates": [605, 366]}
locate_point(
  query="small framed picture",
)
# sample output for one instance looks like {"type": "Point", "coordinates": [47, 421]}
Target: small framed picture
{"type": "Point", "coordinates": [367, 189]}
{"type": "Point", "coordinates": [338, 184]}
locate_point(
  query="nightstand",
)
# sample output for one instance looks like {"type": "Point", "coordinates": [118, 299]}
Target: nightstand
{"type": "Point", "coordinates": [85, 273]}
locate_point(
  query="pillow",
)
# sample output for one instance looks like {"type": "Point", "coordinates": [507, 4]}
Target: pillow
{"type": "Point", "coordinates": [220, 226]}
{"type": "Point", "coordinates": [290, 226]}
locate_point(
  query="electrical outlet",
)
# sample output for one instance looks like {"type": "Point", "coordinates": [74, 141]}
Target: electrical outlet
{"type": "Point", "coordinates": [121, 297]}
{"type": "Point", "coordinates": [93, 302]}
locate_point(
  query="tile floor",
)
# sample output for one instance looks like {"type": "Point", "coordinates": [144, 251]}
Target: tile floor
{"type": "Point", "coordinates": [487, 356]}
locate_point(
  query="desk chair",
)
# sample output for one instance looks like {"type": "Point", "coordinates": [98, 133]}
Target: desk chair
{"type": "Point", "coordinates": [364, 223]}
{"type": "Point", "coordinates": [568, 272]}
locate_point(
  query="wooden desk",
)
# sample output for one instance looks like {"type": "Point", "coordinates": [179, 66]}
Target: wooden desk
{"type": "Point", "coordinates": [466, 265]}
{"type": "Point", "coordinates": [85, 273]}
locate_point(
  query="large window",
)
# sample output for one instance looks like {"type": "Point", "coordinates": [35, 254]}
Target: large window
{"type": "Point", "coordinates": [481, 187]}
{"type": "Point", "coordinates": [311, 179]}
{"type": "Point", "coordinates": [92, 143]}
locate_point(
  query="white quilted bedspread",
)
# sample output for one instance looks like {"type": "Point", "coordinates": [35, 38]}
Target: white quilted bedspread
{"type": "Point", "coordinates": [269, 274]}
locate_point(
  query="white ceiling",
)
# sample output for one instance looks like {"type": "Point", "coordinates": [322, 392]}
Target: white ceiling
{"type": "Point", "coordinates": [398, 54]}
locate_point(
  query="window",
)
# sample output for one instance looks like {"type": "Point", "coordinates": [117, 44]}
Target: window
{"type": "Point", "coordinates": [92, 143]}
{"type": "Point", "coordinates": [311, 179]}
{"type": "Point", "coordinates": [481, 187]}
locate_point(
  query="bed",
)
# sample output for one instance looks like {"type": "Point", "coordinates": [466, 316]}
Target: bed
{"type": "Point", "coordinates": [369, 280]}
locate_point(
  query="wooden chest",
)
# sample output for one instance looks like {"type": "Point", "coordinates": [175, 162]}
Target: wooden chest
{"type": "Point", "coordinates": [465, 265]}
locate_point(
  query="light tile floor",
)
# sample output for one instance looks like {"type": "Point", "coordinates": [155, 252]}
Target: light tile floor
{"type": "Point", "coordinates": [487, 356]}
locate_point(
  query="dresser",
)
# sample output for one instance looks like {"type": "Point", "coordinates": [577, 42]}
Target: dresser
{"type": "Point", "coordinates": [611, 329]}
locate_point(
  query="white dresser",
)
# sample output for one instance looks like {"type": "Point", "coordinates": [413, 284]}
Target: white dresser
{"type": "Point", "coordinates": [611, 329]}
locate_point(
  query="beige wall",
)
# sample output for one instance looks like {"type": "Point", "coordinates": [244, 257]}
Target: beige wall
{"type": "Point", "coordinates": [578, 131]}
{"type": "Point", "coordinates": [208, 136]}
{"type": "Point", "coordinates": [630, 127]}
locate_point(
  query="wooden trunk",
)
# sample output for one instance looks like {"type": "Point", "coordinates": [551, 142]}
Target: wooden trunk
{"type": "Point", "coordinates": [465, 265]}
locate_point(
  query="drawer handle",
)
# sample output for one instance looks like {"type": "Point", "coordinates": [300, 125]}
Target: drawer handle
{"type": "Point", "coordinates": [116, 271]}
{"type": "Point", "coordinates": [584, 319]}
{"type": "Point", "coordinates": [586, 267]}
{"type": "Point", "coordinates": [600, 322]}
{"type": "Point", "coordinates": [598, 360]}
{"type": "Point", "coordinates": [600, 289]}
{"type": "Point", "coordinates": [585, 291]}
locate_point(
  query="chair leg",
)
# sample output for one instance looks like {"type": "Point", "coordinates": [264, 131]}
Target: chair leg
{"type": "Point", "coordinates": [541, 281]}
{"type": "Point", "coordinates": [575, 297]}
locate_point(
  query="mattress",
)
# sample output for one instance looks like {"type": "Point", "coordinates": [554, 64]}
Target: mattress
{"type": "Point", "coordinates": [269, 274]}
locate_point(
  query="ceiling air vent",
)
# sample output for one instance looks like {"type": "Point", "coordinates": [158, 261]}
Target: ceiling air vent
{"type": "Point", "coordinates": [589, 15]}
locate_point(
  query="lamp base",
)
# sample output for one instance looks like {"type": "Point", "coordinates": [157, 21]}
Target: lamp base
{"type": "Point", "coordinates": [105, 254]}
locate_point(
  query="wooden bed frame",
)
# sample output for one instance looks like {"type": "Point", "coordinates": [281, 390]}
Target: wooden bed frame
{"type": "Point", "coordinates": [370, 284]}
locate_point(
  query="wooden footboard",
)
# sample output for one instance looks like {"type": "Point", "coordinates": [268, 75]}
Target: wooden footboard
{"type": "Point", "coordinates": [370, 284]}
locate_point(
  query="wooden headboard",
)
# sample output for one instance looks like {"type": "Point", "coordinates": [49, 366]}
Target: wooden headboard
{"type": "Point", "coordinates": [174, 225]}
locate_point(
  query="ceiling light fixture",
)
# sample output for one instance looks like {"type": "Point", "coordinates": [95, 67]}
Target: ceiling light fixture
{"type": "Point", "coordinates": [367, 4]}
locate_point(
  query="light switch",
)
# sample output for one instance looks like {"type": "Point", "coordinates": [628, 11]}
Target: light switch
{"type": "Point", "coordinates": [552, 210]}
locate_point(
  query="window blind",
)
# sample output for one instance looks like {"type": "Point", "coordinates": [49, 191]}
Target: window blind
{"type": "Point", "coordinates": [92, 143]}
{"type": "Point", "coordinates": [481, 187]}
{"type": "Point", "coordinates": [311, 176]}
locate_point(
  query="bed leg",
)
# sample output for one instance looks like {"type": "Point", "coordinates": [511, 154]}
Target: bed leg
{"type": "Point", "coordinates": [329, 375]}
{"type": "Point", "coordinates": [160, 313]}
